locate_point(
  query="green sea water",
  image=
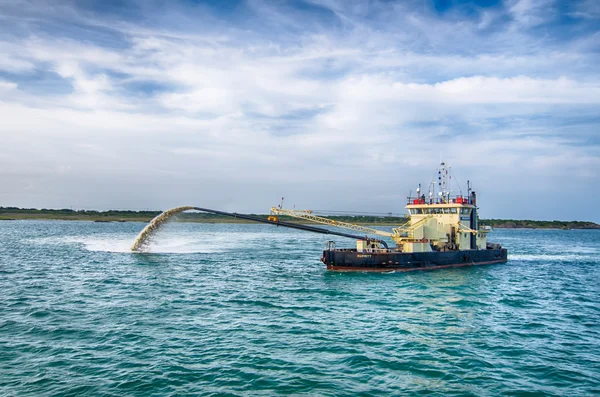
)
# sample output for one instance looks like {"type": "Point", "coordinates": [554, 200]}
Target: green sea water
{"type": "Point", "coordinates": [244, 310]}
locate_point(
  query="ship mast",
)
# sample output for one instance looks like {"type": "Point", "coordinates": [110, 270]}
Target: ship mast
{"type": "Point", "coordinates": [443, 176]}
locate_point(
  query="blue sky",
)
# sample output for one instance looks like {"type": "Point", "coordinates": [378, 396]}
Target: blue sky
{"type": "Point", "coordinates": [342, 105]}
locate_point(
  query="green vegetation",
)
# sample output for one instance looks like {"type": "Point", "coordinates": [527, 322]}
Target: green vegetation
{"type": "Point", "coordinates": [526, 224]}
{"type": "Point", "coordinates": [14, 213]}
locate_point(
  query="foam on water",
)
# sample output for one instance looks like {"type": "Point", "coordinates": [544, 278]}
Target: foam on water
{"type": "Point", "coordinates": [167, 245]}
{"type": "Point", "coordinates": [172, 238]}
{"type": "Point", "coordinates": [548, 258]}
{"type": "Point", "coordinates": [106, 244]}
{"type": "Point", "coordinates": [163, 244]}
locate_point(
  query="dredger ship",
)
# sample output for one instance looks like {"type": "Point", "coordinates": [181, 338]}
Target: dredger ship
{"type": "Point", "coordinates": [441, 231]}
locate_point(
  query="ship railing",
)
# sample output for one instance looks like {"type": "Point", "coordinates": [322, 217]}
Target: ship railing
{"type": "Point", "coordinates": [450, 200]}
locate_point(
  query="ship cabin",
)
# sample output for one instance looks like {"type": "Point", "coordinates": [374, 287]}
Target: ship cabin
{"type": "Point", "coordinates": [444, 224]}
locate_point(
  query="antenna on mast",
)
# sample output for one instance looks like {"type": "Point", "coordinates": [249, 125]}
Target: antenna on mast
{"type": "Point", "coordinates": [443, 185]}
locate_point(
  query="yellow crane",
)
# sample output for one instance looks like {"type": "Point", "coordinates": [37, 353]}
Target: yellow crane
{"type": "Point", "coordinates": [398, 234]}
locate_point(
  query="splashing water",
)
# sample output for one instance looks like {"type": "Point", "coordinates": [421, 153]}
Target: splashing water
{"type": "Point", "coordinates": [155, 224]}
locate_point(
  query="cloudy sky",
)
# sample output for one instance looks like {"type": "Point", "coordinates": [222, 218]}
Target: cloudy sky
{"type": "Point", "coordinates": [334, 104]}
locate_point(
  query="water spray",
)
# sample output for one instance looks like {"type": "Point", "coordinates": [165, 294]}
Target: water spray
{"type": "Point", "coordinates": [142, 240]}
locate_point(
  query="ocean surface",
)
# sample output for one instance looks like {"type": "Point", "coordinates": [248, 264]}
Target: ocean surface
{"type": "Point", "coordinates": [244, 310]}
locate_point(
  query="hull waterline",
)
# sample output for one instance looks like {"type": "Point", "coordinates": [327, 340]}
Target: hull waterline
{"type": "Point", "coordinates": [346, 260]}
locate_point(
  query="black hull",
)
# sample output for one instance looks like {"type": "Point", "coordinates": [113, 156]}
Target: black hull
{"type": "Point", "coordinates": [350, 260]}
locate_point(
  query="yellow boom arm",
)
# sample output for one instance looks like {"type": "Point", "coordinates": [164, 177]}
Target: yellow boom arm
{"type": "Point", "coordinates": [307, 215]}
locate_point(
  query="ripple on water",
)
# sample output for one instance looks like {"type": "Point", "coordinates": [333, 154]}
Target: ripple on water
{"type": "Point", "coordinates": [249, 310]}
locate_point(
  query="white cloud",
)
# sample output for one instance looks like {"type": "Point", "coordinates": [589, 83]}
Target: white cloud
{"type": "Point", "coordinates": [529, 13]}
{"type": "Point", "coordinates": [14, 64]}
{"type": "Point", "coordinates": [349, 106]}
{"type": "Point", "coordinates": [474, 90]}
{"type": "Point", "coordinates": [7, 86]}
{"type": "Point", "coordinates": [588, 9]}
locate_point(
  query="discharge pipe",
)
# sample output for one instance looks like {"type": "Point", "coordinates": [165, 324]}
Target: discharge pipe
{"type": "Point", "coordinates": [156, 223]}
{"type": "Point", "coordinates": [291, 225]}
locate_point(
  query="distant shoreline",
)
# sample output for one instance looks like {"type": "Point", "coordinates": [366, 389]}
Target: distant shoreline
{"type": "Point", "coordinates": [13, 213]}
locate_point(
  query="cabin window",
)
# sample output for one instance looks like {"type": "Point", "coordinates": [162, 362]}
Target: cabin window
{"type": "Point", "coordinates": [446, 210]}
{"type": "Point", "coordinates": [465, 211]}
{"type": "Point", "coordinates": [453, 210]}
{"type": "Point", "coordinates": [418, 210]}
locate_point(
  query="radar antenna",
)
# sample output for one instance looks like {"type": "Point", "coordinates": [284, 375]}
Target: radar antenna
{"type": "Point", "coordinates": [442, 181]}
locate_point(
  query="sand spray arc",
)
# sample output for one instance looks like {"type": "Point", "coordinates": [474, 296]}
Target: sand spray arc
{"type": "Point", "coordinates": [155, 224]}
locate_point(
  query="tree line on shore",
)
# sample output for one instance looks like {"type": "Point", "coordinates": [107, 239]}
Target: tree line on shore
{"type": "Point", "coordinates": [144, 216]}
